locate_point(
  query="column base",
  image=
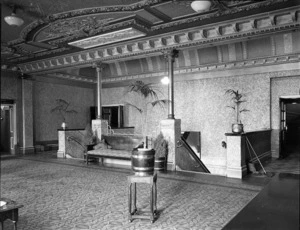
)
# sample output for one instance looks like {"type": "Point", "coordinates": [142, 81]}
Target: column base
{"type": "Point", "coordinates": [238, 172]}
{"type": "Point", "coordinates": [171, 130]}
{"type": "Point", "coordinates": [27, 150]}
{"type": "Point", "coordinates": [100, 127]}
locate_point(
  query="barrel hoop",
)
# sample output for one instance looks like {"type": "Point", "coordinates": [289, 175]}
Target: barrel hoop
{"type": "Point", "coordinates": [142, 168]}
{"type": "Point", "coordinates": [159, 161]}
{"type": "Point", "coordinates": [143, 156]}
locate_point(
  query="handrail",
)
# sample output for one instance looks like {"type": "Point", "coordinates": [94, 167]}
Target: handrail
{"type": "Point", "coordinates": [182, 143]}
{"type": "Point", "coordinates": [75, 140]}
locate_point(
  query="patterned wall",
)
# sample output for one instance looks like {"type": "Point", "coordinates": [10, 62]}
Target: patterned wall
{"type": "Point", "coordinates": [9, 83]}
{"type": "Point", "coordinates": [45, 95]}
{"type": "Point", "coordinates": [201, 106]}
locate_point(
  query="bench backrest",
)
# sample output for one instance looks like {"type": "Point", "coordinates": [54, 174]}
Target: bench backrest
{"type": "Point", "coordinates": [123, 142]}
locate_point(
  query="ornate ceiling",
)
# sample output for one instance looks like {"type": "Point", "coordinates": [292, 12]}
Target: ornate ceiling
{"type": "Point", "coordinates": [75, 30]}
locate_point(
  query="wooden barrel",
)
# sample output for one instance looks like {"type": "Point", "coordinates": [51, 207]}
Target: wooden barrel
{"type": "Point", "coordinates": [142, 161]}
{"type": "Point", "coordinates": [160, 164]}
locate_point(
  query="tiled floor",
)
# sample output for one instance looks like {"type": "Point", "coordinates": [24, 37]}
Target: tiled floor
{"type": "Point", "coordinates": [67, 194]}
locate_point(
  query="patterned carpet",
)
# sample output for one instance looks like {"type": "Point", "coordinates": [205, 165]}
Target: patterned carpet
{"type": "Point", "coordinates": [66, 197]}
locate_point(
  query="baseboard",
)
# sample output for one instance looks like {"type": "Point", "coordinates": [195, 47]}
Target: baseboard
{"type": "Point", "coordinates": [27, 150]}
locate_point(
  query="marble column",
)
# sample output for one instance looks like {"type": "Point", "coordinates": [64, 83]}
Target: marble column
{"type": "Point", "coordinates": [27, 117]}
{"type": "Point", "coordinates": [171, 127]}
{"type": "Point", "coordinates": [99, 126]}
{"type": "Point", "coordinates": [170, 57]}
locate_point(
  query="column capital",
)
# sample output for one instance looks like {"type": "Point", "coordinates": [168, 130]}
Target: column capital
{"type": "Point", "coordinates": [170, 54]}
{"type": "Point", "coordinates": [99, 66]}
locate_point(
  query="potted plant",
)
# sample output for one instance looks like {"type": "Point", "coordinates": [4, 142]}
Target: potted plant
{"type": "Point", "coordinates": [143, 157]}
{"type": "Point", "coordinates": [237, 99]}
{"type": "Point", "coordinates": [160, 146]}
{"type": "Point", "coordinates": [62, 108]}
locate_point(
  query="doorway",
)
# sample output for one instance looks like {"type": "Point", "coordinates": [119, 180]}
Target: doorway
{"type": "Point", "coordinates": [8, 126]}
{"type": "Point", "coordinates": [289, 126]}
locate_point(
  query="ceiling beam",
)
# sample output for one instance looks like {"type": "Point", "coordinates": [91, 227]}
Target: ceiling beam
{"type": "Point", "coordinates": [158, 14]}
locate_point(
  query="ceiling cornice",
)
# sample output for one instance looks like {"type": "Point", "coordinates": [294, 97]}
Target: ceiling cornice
{"type": "Point", "coordinates": [213, 34]}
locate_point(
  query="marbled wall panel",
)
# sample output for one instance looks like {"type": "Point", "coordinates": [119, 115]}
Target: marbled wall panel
{"type": "Point", "coordinates": [259, 47]}
{"type": "Point", "coordinates": [295, 40]}
{"type": "Point", "coordinates": [47, 123]}
{"type": "Point", "coordinates": [279, 45]}
{"type": "Point", "coordinates": [239, 51]}
{"type": "Point", "coordinates": [208, 55]}
{"type": "Point", "coordinates": [9, 82]}
{"type": "Point", "coordinates": [201, 106]}
{"type": "Point", "coordinates": [28, 114]}
{"type": "Point", "coordinates": [225, 53]}
{"type": "Point", "coordinates": [193, 56]}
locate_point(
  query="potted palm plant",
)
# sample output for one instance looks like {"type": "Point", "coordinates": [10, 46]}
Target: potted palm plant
{"type": "Point", "coordinates": [143, 157]}
{"type": "Point", "coordinates": [160, 146]}
{"type": "Point", "coordinates": [237, 99]}
{"type": "Point", "coordinates": [62, 108]}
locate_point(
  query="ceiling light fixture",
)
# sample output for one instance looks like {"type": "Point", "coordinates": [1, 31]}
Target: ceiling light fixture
{"type": "Point", "coordinates": [13, 20]}
{"type": "Point", "coordinates": [165, 80]}
{"type": "Point", "coordinates": [200, 6]}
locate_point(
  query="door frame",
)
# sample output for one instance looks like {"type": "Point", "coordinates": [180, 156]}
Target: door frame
{"type": "Point", "coordinates": [283, 101]}
{"type": "Point", "coordinates": [12, 124]}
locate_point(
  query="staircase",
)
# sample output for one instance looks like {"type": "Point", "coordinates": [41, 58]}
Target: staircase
{"type": "Point", "coordinates": [186, 159]}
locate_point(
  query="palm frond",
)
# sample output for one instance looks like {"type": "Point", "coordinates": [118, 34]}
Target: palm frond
{"type": "Point", "coordinates": [244, 110]}
{"type": "Point", "coordinates": [232, 107]}
{"type": "Point", "coordinates": [144, 89]}
{"type": "Point", "coordinates": [161, 103]}
{"type": "Point", "coordinates": [71, 111]}
{"type": "Point", "coordinates": [135, 107]}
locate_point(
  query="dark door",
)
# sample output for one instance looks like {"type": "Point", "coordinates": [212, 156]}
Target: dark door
{"type": "Point", "coordinates": [289, 126]}
{"type": "Point", "coordinates": [283, 129]}
{"type": "Point", "coordinates": [5, 130]}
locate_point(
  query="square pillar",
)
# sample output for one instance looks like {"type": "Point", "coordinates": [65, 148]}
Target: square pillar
{"type": "Point", "coordinates": [99, 127]}
{"type": "Point", "coordinates": [171, 129]}
{"type": "Point", "coordinates": [236, 164]}
{"type": "Point", "coordinates": [61, 152]}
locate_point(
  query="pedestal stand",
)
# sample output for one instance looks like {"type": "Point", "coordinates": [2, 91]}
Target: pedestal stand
{"type": "Point", "coordinates": [133, 180]}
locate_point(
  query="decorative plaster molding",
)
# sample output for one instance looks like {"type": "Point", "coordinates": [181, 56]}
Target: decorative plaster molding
{"type": "Point", "coordinates": [202, 69]}
{"type": "Point", "coordinates": [211, 34]}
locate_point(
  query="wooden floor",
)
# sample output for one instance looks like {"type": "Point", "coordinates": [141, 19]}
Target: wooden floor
{"type": "Point", "coordinates": [276, 207]}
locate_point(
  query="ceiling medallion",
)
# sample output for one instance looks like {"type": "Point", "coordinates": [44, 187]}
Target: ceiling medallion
{"type": "Point", "coordinates": [108, 38]}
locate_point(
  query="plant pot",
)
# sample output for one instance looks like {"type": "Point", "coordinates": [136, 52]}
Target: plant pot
{"type": "Point", "coordinates": [237, 128]}
{"type": "Point", "coordinates": [64, 125]}
{"type": "Point", "coordinates": [160, 164]}
{"type": "Point", "coordinates": [142, 161]}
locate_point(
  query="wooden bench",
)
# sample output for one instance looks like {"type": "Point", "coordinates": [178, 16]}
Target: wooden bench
{"type": "Point", "coordinates": [119, 146]}
{"type": "Point", "coordinates": [108, 153]}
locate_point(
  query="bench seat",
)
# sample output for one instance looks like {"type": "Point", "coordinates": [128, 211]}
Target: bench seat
{"type": "Point", "coordinates": [108, 153]}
